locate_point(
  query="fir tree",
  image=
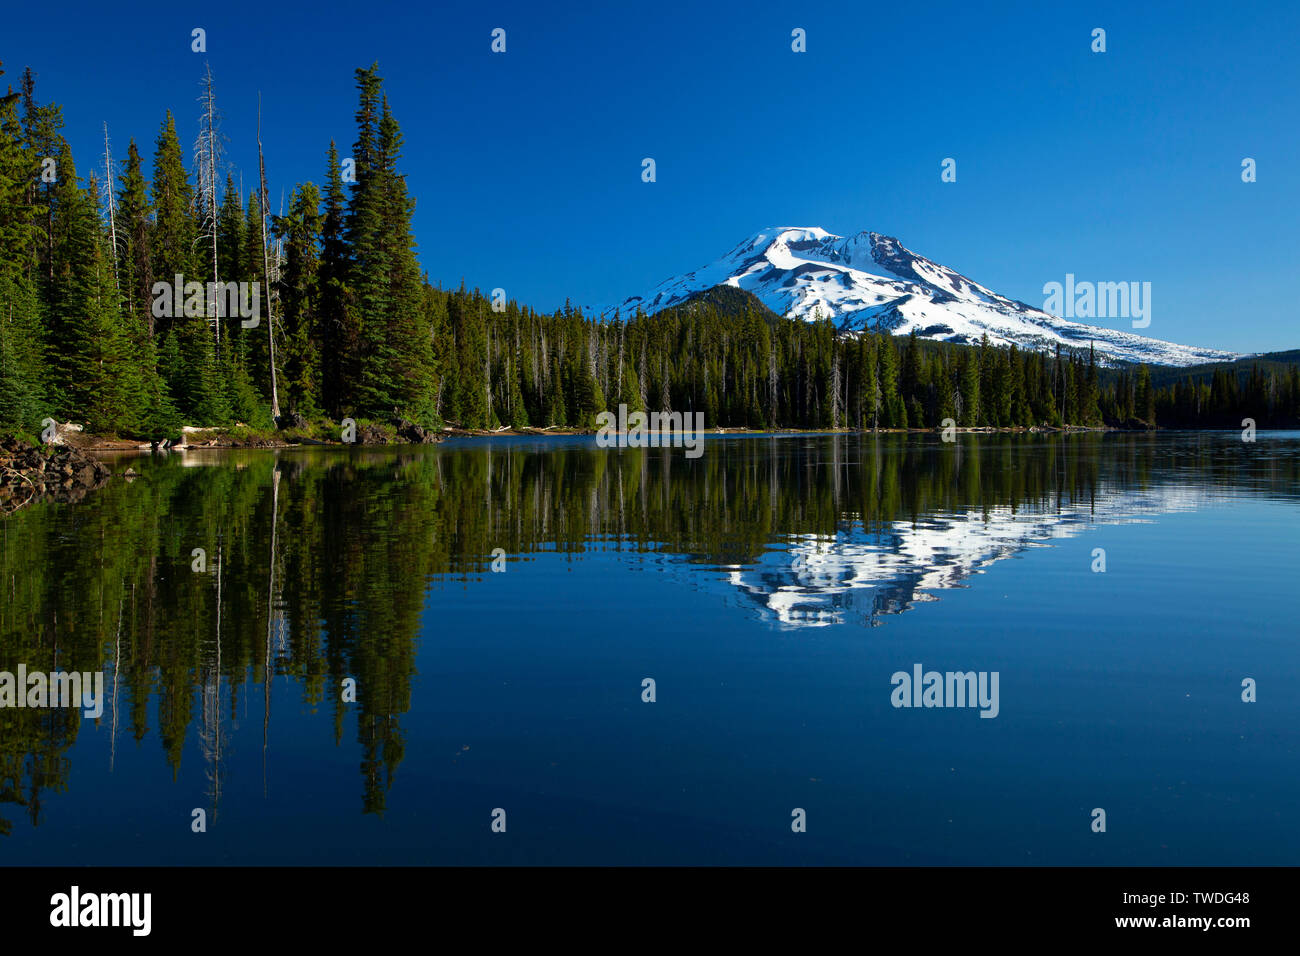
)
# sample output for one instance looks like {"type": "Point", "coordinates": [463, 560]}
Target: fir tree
{"type": "Point", "coordinates": [21, 372]}
{"type": "Point", "coordinates": [300, 299]}
{"type": "Point", "coordinates": [134, 253]}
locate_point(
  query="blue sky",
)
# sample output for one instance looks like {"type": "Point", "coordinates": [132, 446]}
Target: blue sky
{"type": "Point", "coordinates": [1118, 166]}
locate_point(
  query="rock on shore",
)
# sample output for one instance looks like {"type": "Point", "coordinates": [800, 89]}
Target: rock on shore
{"type": "Point", "coordinates": [59, 473]}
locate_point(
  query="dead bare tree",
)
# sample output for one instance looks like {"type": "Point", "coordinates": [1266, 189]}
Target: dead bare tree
{"type": "Point", "coordinates": [211, 733]}
{"type": "Point", "coordinates": [771, 380]}
{"type": "Point", "coordinates": [270, 617]}
{"type": "Point", "coordinates": [835, 391]}
{"type": "Point", "coordinates": [619, 323]}
{"type": "Point", "coordinates": [111, 202]}
{"type": "Point", "coordinates": [266, 269]}
{"type": "Point", "coordinates": [207, 149]}
{"type": "Point", "coordinates": [487, 361]}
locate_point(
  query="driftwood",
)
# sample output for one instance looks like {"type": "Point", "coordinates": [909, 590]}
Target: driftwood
{"type": "Point", "coordinates": [7, 507]}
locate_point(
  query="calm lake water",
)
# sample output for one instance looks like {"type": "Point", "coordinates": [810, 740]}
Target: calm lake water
{"type": "Point", "coordinates": [770, 588]}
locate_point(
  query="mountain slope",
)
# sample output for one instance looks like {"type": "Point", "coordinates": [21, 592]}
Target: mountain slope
{"type": "Point", "coordinates": [871, 282]}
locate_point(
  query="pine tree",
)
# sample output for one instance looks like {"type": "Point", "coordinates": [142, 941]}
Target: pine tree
{"type": "Point", "coordinates": [405, 335]}
{"type": "Point", "coordinates": [1091, 406]}
{"type": "Point", "coordinates": [1145, 399]}
{"type": "Point", "coordinates": [300, 298]}
{"type": "Point", "coordinates": [231, 265]}
{"type": "Point", "coordinates": [339, 341]}
{"type": "Point", "coordinates": [970, 389]}
{"type": "Point", "coordinates": [469, 404]}
{"type": "Point", "coordinates": [875, 396]}
{"type": "Point", "coordinates": [174, 232]}
{"type": "Point", "coordinates": [894, 413]}
{"type": "Point", "coordinates": [42, 126]}
{"type": "Point", "coordinates": [394, 353]}
{"type": "Point", "coordinates": [109, 378]}
{"type": "Point", "coordinates": [21, 372]}
{"type": "Point", "coordinates": [187, 355]}
{"type": "Point", "coordinates": [134, 234]}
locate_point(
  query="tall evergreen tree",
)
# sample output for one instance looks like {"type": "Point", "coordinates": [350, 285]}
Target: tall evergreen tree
{"type": "Point", "coordinates": [135, 242]}
{"type": "Point", "coordinates": [174, 232]}
{"type": "Point", "coordinates": [394, 353]}
{"type": "Point", "coordinates": [300, 300]}
{"type": "Point", "coordinates": [339, 342]}
{"type": "Point", "coordinates": [21, 364]}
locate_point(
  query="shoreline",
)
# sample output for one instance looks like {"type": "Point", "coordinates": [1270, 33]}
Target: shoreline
{"type": "Point", "coordinates": [73, 464]}
{"type": "Point", "coordinates": [237, 437]}
{"type": "Point", "coordinates": [198, 439]}
{"type": "Point", "coordinates": [226, 438]}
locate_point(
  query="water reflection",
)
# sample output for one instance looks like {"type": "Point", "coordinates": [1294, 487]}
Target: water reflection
{"type": "Point", "coordinates": [315, 563]}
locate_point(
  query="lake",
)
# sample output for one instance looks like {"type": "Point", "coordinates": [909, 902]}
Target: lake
{"type": "Point", "coordinates": [628, 656]}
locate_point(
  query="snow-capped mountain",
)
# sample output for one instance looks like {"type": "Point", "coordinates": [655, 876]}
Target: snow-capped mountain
{"type": "Point", "coordinates": [872, 282]}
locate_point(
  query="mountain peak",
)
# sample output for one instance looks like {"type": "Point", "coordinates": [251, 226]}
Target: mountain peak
{"type": "Point", "coordinates": [870, 281]}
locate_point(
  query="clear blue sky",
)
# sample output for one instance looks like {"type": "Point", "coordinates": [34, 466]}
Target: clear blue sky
{"type": "Point", "coordinates": [527, 165]}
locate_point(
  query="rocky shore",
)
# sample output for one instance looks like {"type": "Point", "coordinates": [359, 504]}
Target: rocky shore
{"type": "Point", "coordinates": [60, 473]}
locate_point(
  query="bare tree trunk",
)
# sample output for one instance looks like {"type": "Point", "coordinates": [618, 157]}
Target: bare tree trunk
{"type": "Point", "coordinates": [487, 362]}
{"type": "Point", "coordinates": [771, 382]}
{"type": "Point", "coordinates": [619, 388]}
{"type": "Point", "coordinates": [117, 669]}
{"type": "Point", "coordinates": [206, 149]}
{"type": "Point", "coordinates": [270, 616]}
{"type": "Point", "coordinates": [112, 204]}
{"type": "Point", "coordinates": [643, 393]}
{"type": "Point", "coordinates": [266, 269]}
{"type": "Point", "coordinates": [212, 196]}
{"type": "Point", "coordinates": [835, 390]}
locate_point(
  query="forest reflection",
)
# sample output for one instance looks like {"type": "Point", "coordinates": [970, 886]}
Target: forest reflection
{"type": "Point", "coordinates": [315, 563]}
